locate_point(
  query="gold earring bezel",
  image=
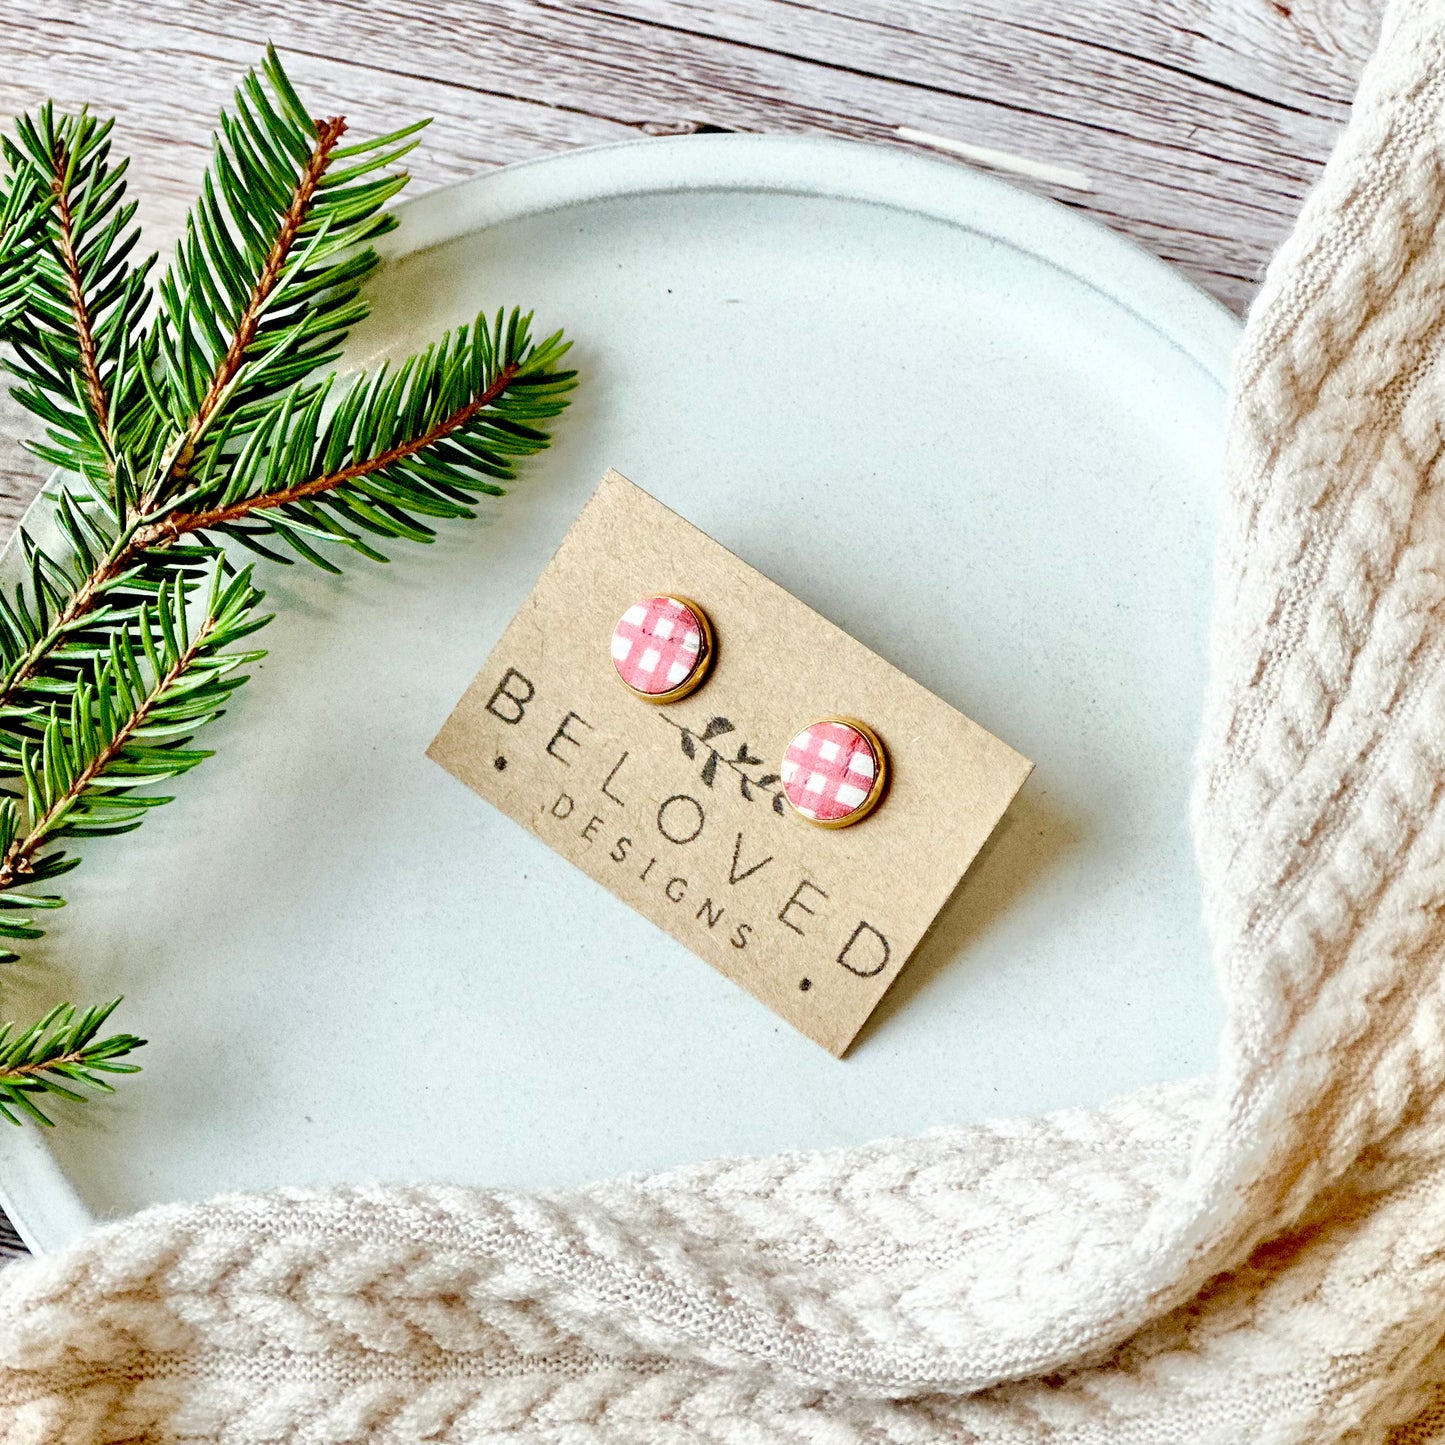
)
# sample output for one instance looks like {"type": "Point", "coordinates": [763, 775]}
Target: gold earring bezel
{"type": "Point", "coordinates": [881, 777]}
{"type": "Point", "coordinates": [707, 653]}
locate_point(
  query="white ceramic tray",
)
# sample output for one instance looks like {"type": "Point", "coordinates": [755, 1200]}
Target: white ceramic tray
{"type": "Point", "coordinates": [353, 969]}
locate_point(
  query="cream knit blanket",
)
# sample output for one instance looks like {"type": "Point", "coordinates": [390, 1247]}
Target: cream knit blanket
{"type": "Point", "coordinates": [1255, 1259]}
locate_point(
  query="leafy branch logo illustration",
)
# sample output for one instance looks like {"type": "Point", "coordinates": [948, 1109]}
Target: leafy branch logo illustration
{"type": "Point", "coordinates": [751, 785]}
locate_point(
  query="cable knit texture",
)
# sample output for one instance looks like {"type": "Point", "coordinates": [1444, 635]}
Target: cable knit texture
{"type": "Point", "coordinates": [1257, 1258]}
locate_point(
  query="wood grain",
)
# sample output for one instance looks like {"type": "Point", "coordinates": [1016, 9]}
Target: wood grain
{"type": "Point", "coordinates": [1201, 122]}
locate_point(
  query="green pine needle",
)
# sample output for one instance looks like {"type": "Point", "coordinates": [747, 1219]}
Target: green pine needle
{"type": "Point", "coordinates": [189, 416]}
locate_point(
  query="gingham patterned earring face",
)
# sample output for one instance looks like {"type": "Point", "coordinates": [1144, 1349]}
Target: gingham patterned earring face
{"type": "Point", "coordinates": [663, 648]}
{"type": "Point", "coordinates": [835, 772]}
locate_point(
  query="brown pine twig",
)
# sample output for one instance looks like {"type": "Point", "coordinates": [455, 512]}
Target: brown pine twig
{"type": "Point", "coordinates": [84, 327]}
{"type": "Point", "coordinates": [18, 861]}
{"type": "Point", "coordinates": [184, 523]}
{"type": "Point", "coordinates": [328, 133]}
{"type": "Point", "coordinates": [41, 1066]}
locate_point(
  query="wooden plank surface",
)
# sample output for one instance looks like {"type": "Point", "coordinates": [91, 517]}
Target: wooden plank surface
{"type": "Point", "coordinates": [1201, 123]}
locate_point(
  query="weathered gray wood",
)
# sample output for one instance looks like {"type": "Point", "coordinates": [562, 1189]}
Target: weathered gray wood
{"type": "Point", "coordinates": [1202, 133]}
{"type": "Point", "coordinates": [1209, 175]}
{"type": "Point", "coordinates": [1303, 56]}
{"type": "Point", "coordinates": [1201, 122]}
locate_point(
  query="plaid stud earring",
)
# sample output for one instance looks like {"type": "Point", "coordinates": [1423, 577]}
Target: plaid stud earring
{"type": "Point", "coordinates": [835, 772]}
{"type": "Point", "coordinates": [663, 648]}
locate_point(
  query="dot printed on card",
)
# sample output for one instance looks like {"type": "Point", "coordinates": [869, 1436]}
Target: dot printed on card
{"type": "Point", "coordinates": [834, 772]}
{"type": "Point", "coordinates": [662, 647]}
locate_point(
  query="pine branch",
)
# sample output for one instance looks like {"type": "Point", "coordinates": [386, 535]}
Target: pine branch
{"type": "Point", "coordinates": [262, 291]}
{"type": "Point", "coordinates": [63, 613]}
{"type": "Point", "coordinates": [210, 423]}
{"type": "Point", "coordinates": [328, 135]}
{"type": "Point", "coordinates": [423, 440]}
{"type": "Point", "coordinates": [266, 279]}
{"type": "Point", "coordinates": [59, 1055]}
{"type": "Point", "coordinates": [78, 341]}
{"type": "Point", "coordinates": [127, 729]}
{"type": "Point", "coordinates": [357, 471]}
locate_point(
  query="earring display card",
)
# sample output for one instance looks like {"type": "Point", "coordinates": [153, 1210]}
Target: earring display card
{"type": "Point", "coordinates": [678, 809]}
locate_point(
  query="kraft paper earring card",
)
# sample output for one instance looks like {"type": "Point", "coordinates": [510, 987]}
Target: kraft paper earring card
{"type": "Point", "coordinates": [679, 809]}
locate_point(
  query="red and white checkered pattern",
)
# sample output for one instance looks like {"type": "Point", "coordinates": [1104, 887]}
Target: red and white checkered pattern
{"type": "Point", "coordinates": [828, 771]}
{"type": "Point", "coordinates": [657, 645]}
